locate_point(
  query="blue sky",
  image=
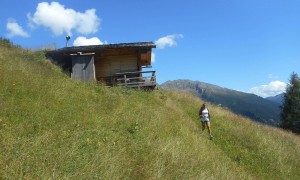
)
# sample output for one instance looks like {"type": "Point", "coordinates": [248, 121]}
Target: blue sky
{"type": "Point", "coordinates": [246, 45]}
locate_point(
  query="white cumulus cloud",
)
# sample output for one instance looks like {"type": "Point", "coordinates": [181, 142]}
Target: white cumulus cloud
{"type": "Point", "coordinates": [167, 41]}
{"type": "Point", "coordinates": [153, 57]}
{"type": "Point", "coordinates": [63, 20]}
{"type": "Point", "coordinates": [83, 41]}
{"type": "Point", "coordinates": [272, 89]}
{"type": "Point", "coordinates": [14, 29]}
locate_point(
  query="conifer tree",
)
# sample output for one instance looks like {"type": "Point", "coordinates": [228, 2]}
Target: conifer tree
{"type": "Point", "coordinates": [290, 115]}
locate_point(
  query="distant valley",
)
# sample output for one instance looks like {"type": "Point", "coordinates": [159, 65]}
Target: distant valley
{"type": "Point", "coordinates": [262, 110]}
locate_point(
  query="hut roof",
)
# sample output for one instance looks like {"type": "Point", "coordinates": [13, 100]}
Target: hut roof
{"type": "Point", "coordinates": [138, 45]}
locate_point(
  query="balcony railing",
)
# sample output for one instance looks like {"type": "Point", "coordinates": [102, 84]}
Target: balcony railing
{"type": "Point", "coordinates": [137, 79]}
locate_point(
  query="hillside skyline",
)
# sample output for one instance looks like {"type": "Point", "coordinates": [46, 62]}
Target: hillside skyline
{"type": "Point", "coordinates": [268, 97]}
{"type": "Point", "coordinates": [246, 46]}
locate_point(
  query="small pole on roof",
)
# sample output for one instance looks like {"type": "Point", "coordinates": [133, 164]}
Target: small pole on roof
{"type": "Point", "coordinates": [67, 38]}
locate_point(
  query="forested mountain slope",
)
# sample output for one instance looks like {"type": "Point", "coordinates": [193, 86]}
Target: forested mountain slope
{"type": "Point", "coordinates": [278, 98]}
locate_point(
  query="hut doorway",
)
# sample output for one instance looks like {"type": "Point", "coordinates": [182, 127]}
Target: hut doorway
{"type": "Point", "coordinates": [83, 68]}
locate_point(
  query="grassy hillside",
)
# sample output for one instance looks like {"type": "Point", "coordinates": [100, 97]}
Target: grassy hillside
{"type": "Point", "coordinates": [52, 127]}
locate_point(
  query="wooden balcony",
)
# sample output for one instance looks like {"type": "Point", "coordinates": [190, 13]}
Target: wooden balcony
{"type": "Point", "coordinates": [137, 79]}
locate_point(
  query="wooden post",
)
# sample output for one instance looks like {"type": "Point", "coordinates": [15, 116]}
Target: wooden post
{"type": "Point", "coordinates": [153, 78]}
{"type": "Point", "coordinates": [125, 80]}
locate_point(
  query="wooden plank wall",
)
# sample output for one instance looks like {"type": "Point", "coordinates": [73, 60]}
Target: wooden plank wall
{"type": "Point", "coordinates": [112, 61]}
{"type": "Point", "coordinates": [145, 57]}
{"type": "Point", "coordinates": [109, 66]}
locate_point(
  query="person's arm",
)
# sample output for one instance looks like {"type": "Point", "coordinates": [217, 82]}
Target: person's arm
{"type": "Point", "coordinates": [200, 113]}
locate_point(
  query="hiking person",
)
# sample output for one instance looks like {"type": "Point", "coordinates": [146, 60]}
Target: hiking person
{"type": "Point", "coordinates": [205, 117]}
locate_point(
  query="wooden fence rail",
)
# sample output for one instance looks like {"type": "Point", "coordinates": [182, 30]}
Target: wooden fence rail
{"type": "Point", "coordinates": [137, 79]}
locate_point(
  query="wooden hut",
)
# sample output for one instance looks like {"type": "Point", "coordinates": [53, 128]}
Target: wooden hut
{"type": "Point", "coordinates": [113, 64]}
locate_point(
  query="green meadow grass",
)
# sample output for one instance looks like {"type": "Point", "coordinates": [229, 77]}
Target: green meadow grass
{"type": "Point", "coordinates": [53, 127]}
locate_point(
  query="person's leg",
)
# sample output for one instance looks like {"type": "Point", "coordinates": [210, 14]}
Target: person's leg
{"type": "Point", "coordinates": [209, 128]}
{"type": "Point", "coordinates": [203, 125]}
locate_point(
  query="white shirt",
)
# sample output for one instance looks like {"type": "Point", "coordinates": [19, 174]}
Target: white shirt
{"type": "Point", "coordinates": [205, 115]}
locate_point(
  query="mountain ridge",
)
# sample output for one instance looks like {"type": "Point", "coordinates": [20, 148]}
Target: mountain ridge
{"type": "Point", "coordinates": [278, 98]}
